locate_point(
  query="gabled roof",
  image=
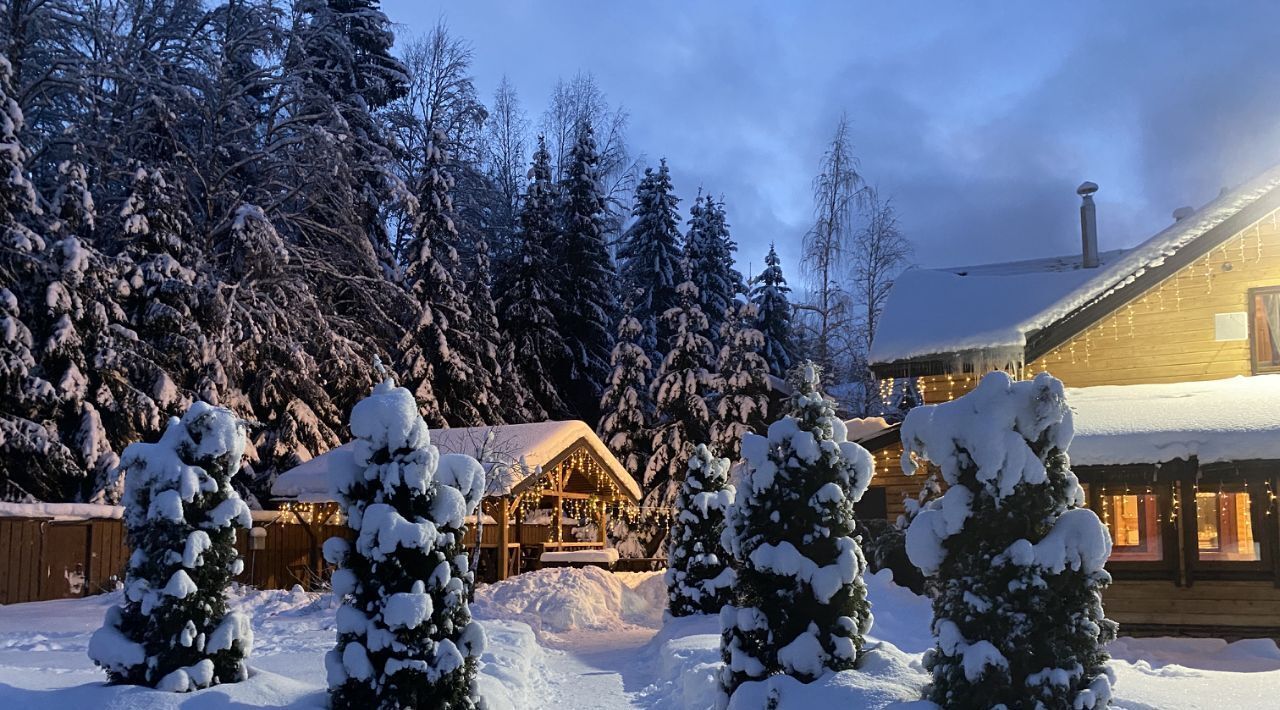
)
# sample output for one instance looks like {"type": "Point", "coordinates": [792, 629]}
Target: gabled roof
{"type": "Point", "coordinates": [937, 319]}
{"type": "Point", "coordinates": [513, 458]}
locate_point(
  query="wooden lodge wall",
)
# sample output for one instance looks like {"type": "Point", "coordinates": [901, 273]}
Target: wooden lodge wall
{"type": "Point", "coordinates": [42, 559]}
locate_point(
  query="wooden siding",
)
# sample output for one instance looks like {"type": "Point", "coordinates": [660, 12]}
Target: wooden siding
{"type": "Point", "coordinates": [1167, 334]}
{"type": "Point", "coordinates": [1207, 604]}
{"type": "Point", "coordinates": [42, 559]}
{"type": "Point", "coordinates": [889, 476]}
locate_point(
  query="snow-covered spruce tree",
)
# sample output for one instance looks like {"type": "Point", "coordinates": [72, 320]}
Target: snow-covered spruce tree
{"type": "Point", "coordinates": [682, 417]}
{"type": "Point", "coordinates": [626, 411]}
{"type": "Point", "coordinates": [650, 256]}
{"type": "Point", "coordinates": [590, 282]}
{"type": "Point", "coordinates": [405, 634]}
{"type": "Point", "coordinates": [742, 379]}
{"type": "Point", "coordinates": [512, 401]}
{"type": "Point", "coordinates": [1018, 562]}
{"type": "Point", "coordinates": [528, 300]}
{"type": "Point", "coordinates": [173, 630]}
{"type": "Point", "coordinates": [442, 333]}
{"type": "Point", "coordinates": [773, 315]}
{"type": "Point", "coordinates": [699, 575]}
{"type": "Point", "coordinates": [800, 606]}
{"type": "Point", "coordinates": [706, 250]}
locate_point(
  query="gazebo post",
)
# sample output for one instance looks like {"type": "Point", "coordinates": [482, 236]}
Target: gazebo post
{"type": "Point", "coordinates": [504, 536]}
{"type": "Point", "coordinates": [604, 524]}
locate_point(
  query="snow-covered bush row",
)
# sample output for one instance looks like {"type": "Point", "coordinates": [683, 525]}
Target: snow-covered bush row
{"type": "Point", "coordinates": [173, 630]}
{"type": "Point", "coordinates": [405, 633]}
{"type": "Point", "coordinates": [699, 575]}
{"type": "Point", "coordinates": [800, 604]}
{"type": "Point", "coordinates": [1018, 562]}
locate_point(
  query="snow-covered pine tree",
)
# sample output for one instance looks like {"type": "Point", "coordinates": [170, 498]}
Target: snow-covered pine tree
{"type": "Point", "coordinates": [710, 263]}
{"type": "Point", "coordinates": [529, 298]}
{"type": "Point", "coordinates": [682, 416]}
{"type": "Point", "coordinates": [1018, 561]}
{"type": "Point", "coordinates": [718, 223]}
{"type": "Point", "coordinates": [589, 282]}
{"type": "Point", "coordinates": [773, 315]}
{"type": "Point", "coordinates": [173, 630]}
{"type": "Point", "coordinates": [800, 606]}
{"type": "Point", "coordinates": [405, 634]}
{"type": "Point", "coordinates": [514, 403]}
{"type": "Point", "coordinates": [460, 392]}
{"type": "Point", "coordinates": [742, 380]}
{"type": "Point", "coordinates": [699, 574]}
{"type": "Point", "coordinates": [626, 414]}
{"type": "Point", "coordinates": [33, 461]}
{"type": "Point", "coordinates": [650, 256]}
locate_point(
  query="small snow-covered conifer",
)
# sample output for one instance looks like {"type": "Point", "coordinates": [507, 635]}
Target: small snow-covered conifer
{"type": "Point", "coordinates": [800, 605]}
{"type": "Point", "coordinates": [699, 576]}
{"type": "Point", "coordinates": [1018, 563]}
{"type": "Point", "coordinates": [173, 630]}
{"type": "Point", "coordinates": [773, 315]}
{"type": "Point", "coordinates": [742, 377]}
{"type": "Point", "coordinates": [405, 634]}
{"type": "Point", "coordinates": [683, 417]}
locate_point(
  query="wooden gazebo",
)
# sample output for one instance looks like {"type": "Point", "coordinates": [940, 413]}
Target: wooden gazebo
{"type": "Point", "coordinates": [554, 485]}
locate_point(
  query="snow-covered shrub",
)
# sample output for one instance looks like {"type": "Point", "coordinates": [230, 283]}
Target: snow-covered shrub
{"type": "Point", "coordinates": [1018, 562]}
{"type": "Point", "coordinates": [173, 631]}
{"type": "Point", "coordinates": [800, 606]}
{"type": "Point", "coordinates": [699, 577]}
{"type": "Point", "coordinates": [405, 634]}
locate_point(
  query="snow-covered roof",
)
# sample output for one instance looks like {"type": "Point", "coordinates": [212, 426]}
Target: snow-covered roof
{"type": "Point", "coordinates": [515, 452]}
{"type": "Point", "coordinates": [994, 307]}
{"type": "Point", "coordinates": [1236, 419]}
{"type": "Point", "coordinates": [861, 429]}
{"type": "Point", "coordinates": [92, 511]}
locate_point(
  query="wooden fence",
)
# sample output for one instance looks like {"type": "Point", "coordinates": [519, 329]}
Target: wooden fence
{"type": "Point", "coordinates": [42, 558]}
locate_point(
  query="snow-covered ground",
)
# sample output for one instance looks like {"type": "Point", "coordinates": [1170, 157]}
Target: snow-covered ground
{"type": "Point", "coordinates": [587, 639]}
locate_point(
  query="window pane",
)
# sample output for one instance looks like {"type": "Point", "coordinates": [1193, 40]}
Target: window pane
{"type": "Point", "coordinates": [1224, 527]}
{"type": "Point", "coordinates": [1266, 329]}
{"type": "Point", "coordinates": [1134, 522]}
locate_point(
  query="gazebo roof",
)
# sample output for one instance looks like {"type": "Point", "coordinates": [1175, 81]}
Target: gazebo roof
{"type": "Point", "coordinates": [514, 456]}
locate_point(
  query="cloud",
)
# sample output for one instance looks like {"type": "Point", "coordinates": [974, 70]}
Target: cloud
{"type": "Point", "coordinates": [978, 119]}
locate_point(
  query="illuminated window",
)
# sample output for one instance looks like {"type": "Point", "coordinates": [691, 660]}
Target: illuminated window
{"type": "Point", "coordinates": [1224, 526]}
{"type": "Point", "coordinates": [1134, 522]}
{"type": "Point", "coordinates": [1264, 319]}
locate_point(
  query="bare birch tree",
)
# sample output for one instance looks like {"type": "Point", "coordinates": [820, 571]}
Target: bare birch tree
{"type": "Point", "coordinates": [880, 252]}
{"type": "Point", "coordinates": [838, 194]}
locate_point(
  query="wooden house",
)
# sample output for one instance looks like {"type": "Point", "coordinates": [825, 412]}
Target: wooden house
{"type": "Point", "coordinates": [550, 487]}
{"type": "Point", "coordinates": [1168, 350]}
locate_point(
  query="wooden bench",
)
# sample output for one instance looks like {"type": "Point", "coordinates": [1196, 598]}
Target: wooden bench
{"type": "Point", "coordinates": [584, 557]}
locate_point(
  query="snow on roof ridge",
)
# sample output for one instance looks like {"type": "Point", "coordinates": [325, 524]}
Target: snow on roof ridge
{"type": "Point", "coordinates": [919, 341]}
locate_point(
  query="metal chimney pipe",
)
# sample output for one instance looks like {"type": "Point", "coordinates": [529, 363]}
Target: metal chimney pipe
{"type": "Point", "coordinates": [1088, 226]}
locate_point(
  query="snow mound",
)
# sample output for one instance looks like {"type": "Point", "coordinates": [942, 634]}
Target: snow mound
{"type": "Point", "coordinates": [569, 599]}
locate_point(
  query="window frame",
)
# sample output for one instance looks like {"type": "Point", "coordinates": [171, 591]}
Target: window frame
{"type": "Point", "coordinates": [1264, 529]}
{"type": "Point", "coordinates": [1252, 294]}
{"type": "Point", "coordinates": [1140, 477]}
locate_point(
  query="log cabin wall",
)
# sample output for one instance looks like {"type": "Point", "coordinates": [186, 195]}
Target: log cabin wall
{"type": "Point", "coordinates": [1169, 334]}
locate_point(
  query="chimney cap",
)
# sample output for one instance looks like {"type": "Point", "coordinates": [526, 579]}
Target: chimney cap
{"type": "Point", "coordinates": [1086, 188]}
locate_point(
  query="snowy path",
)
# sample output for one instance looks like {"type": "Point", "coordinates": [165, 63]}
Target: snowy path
{"type": "Point", "coordinates": [598, 670]}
